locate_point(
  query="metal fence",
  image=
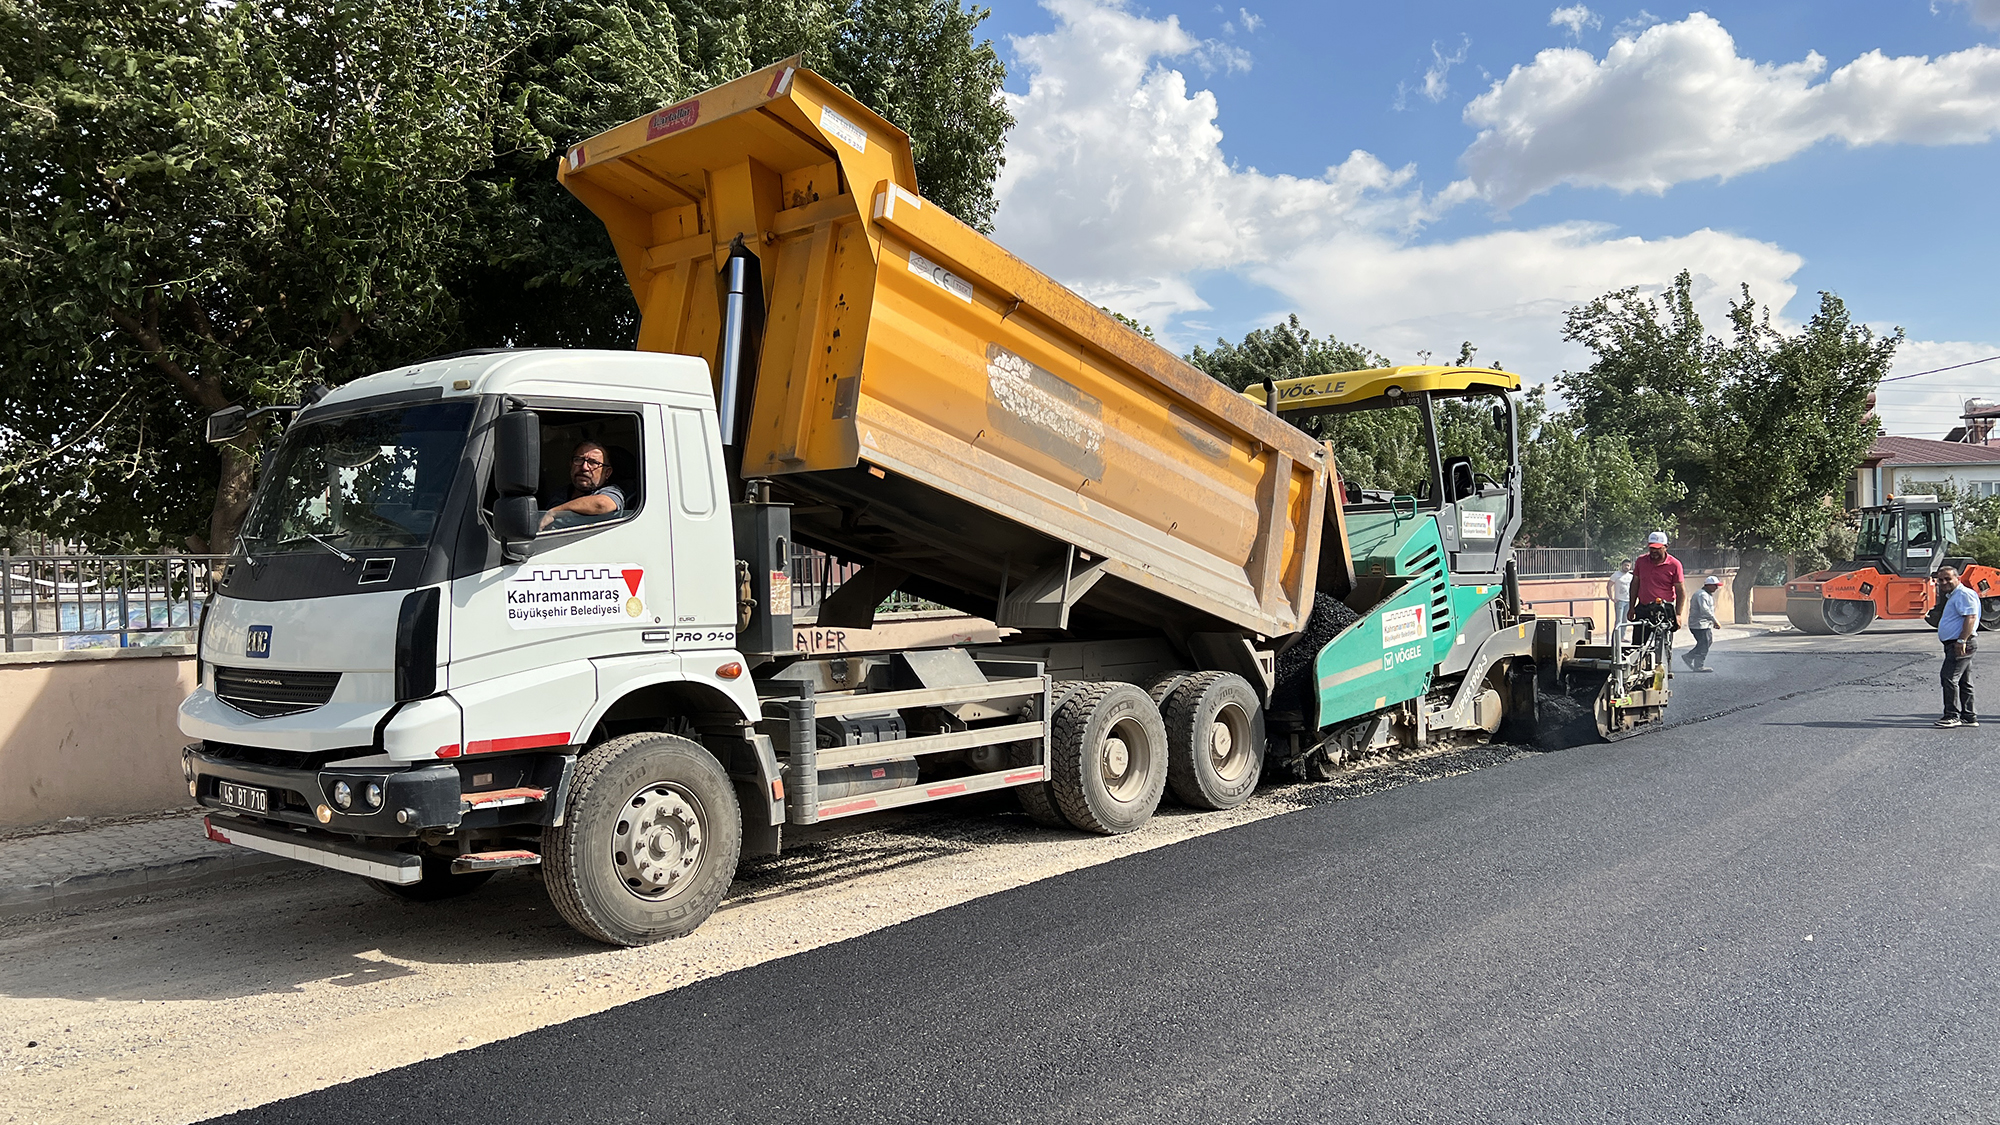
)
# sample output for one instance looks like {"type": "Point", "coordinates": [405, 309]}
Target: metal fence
{"type": "Point", "coordinates": [816, 575]}
{"type": "Point", "coordinates": [66, 601]}
{"type": "Point", "coordinates": [1560, 562]}
{"type": "Point", "coordinates": [61, 600]}
{"type": "Point", "coordinates": [1598, 562]}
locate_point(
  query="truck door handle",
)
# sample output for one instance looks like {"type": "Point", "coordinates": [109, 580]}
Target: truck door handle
{"type": "Point", "coordinates": [656, 636]}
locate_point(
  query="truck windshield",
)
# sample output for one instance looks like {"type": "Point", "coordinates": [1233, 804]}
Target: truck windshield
{"type": "Point", "coordinates": [375, 479]}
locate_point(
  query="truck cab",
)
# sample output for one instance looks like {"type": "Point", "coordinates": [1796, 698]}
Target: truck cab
{"type": "Point", "coordinates": [383, 661]}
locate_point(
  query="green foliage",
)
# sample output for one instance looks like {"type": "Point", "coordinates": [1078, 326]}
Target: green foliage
{"type": "Point", "coordinates": [1381, 449]}
{"type": "Point", "coordinates": [1145, 330]}
{"type": "Point", "coordinates": [211, 204]}
{"type": "Point", "coordinates": [1580, 490]}
{"type": "Point", "coordinates": [1286, 350]}
{"type": "Point", "coordinates": [217, 203]}
{"type": "Point", "coordinates": [1764, 429]}
{"type": "Point", "coordinates": [1982, 545]}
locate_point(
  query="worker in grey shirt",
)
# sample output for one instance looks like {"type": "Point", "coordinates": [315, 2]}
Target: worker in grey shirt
{"type": "Point", "coordinates": [592, 496]}
{"type": "Point", "coordinates": [1956, 626]}
{"type": "Point", "coordinates": [1702, 624]}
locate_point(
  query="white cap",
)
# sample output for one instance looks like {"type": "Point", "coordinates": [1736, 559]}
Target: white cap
{"type": "Point", "coordinates": [1657, 539]}
{"type": "Point", "coordinates": [1712, 580]}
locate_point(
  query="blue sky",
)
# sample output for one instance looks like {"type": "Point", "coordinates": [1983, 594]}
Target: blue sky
{"type": "Point", "coordinates": [1410, 175]}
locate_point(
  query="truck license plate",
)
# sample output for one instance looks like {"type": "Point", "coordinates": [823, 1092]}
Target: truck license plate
{"type": "Point", "coordinates": [243, 797]}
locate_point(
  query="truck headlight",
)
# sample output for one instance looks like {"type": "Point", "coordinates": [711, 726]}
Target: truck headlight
{"type": "Point", "coordinates": [373, 794]}
{"type": "Point", "coordinates": [343, 794]}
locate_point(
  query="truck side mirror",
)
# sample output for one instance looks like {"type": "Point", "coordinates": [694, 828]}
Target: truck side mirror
{"type": "Point", "coordinates": [517, 518]}
{"type": "Point", "coordinates": [226, 424]}
{"type": "Point", "coordinates": [517, 453]}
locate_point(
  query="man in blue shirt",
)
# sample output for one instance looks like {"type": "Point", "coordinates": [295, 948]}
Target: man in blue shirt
{"type": "Point", "coordinates": [1956, 626]}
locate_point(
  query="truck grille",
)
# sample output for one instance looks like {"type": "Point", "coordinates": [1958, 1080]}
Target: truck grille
{"type": "Point", "coordinates": [267, 692]}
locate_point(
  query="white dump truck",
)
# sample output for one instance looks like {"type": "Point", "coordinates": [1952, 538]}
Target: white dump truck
{"type": "Point", "coordinates": [533, 608]}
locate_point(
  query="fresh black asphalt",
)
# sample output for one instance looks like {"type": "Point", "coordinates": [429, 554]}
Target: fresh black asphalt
{"type": "Point", "coordinates": [1784, 913]}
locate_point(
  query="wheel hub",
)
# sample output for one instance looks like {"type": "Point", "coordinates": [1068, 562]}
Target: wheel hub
{"type": "Point", "coordinates": [1117, 758]}
{"type": "Point", "coordinates": [1221, 742]}
{"type": "Point", "coordinates": [657, 843]}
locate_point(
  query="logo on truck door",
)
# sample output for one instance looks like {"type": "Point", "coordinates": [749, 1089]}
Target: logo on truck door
{"type": "Point", "coordinates": [551, 597]}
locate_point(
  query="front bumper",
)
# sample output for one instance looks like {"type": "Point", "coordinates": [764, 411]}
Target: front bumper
{"type": "Point", "coordinates": [414, 799]}
{"type": "Point", "coordinates": [527, 790]}
{"type": "Point", "coordinates": [400, 868]}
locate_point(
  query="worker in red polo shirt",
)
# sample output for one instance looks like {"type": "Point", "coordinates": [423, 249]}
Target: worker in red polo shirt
{"type": "Point", "coordinates": [1659, 589]}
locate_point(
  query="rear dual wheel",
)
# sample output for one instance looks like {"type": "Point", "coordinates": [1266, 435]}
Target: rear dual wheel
{"type": "Point", "coordinates": [1215, 740]}
{"type": "Point", "coordinates": [1109, 758]}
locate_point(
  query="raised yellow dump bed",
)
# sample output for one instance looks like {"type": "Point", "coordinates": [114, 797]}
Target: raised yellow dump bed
{"type": "Point", "coordinates": [933, 405]}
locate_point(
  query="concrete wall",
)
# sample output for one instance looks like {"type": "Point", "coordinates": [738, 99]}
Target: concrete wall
{"type": "Point", "coordinates": [1586, 597]}
{"type": "Point", "coordinates": [91, 733]}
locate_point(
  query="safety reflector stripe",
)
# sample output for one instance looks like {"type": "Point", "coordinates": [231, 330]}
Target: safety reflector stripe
{"type": "Point", "coordinates": [448, 750]}
{"type": "Point", "coordinates": [1026, 775]}
{"type": "Point", "coordinates": [851, 806]}
{"type": "Point", "coordinates": [521, 742]}
{"type": "Point", "coordinates": [944, 790]}
{"type": "Point", "coordinates": [495, 798]}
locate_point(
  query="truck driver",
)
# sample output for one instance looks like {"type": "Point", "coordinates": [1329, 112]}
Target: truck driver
{"type": "Point", "coordinates": [592, 496]}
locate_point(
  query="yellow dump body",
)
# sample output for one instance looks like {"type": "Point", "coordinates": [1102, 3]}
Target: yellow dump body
{"type": "Point", "coordinates": [933, 405]}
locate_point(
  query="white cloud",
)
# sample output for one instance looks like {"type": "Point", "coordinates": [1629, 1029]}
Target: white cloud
{"type": "Point", "coordinates": [1507, 291]}
{"type": "Point", "coordinates": [1677, 103]}
{"type": "Point", "coordinates": [1930, 405]}
{"type": "Point", "coordinates": [1116, 184]}
{"type": "Point", "coordinates": [1986, 13]}
{"type": "Point", "coordinates": [1575, 18]}
{"type": "Point", "coordinates": [1433, 87]}
{"type": "Point", "coordinates": [1115, 169]}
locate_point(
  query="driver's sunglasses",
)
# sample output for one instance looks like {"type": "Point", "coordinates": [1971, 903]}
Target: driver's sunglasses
{"type": "Point", "coordinates": [586, 462]}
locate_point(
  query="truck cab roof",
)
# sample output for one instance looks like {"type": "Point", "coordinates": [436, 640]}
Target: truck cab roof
{"type": "Point", "coordinates": [530, 371]}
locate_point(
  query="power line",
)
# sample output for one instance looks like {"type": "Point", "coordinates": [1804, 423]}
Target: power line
{"type": "Point", "coordinates": [1935, 370]}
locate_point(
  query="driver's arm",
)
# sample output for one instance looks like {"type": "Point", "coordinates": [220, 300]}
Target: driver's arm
{"type": "Point", "coordinates": [594, 504]}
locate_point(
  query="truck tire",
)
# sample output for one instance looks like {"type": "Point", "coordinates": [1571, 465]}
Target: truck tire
{"type": "Point", "coordinates": [1215, 740]}
{"type": "Point", "coordinates": [439, 883]}
{"type": "Point", "coordinates": [1165, 685]}
{"type": "Point", "coordinates": [1989, 614]}
{"type": "Point", "coordinates": [1037, 800]}
{"type": "Point", "coordinates": [649, 843]}
{"type": "Point", "coordinates": [1109, 761]}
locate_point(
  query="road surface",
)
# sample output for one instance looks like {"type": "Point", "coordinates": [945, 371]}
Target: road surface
{"type": "Point", "coordinates": [1782, 908]}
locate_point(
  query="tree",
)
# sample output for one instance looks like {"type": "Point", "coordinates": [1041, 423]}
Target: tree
{"type": "Point", "coordinates": [1580, 490]}
{"type": "Point", "coordinates": [1765, 430]}
{"type": "Point", "coordinates": [1379, 449]}
{"type": "Point", "coordinates": [210, 204]}
{"type": "Point", "coordinates": [544, 273]}
{"type": "Point", "coordinates": [216, 203]}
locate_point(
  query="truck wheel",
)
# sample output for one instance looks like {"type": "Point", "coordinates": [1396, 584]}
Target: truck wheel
{"type": "Point", "coordinates": [649, 843]}
{"type": "Point", "coordinates": [1989, 614]}
{"type": "Point", "coordinates": [1109, 760]}
{"type": "Point", "coordinates": [1215, 741]}
{"type": "Point", "coordinates": [439, 883]}
{"type": "Point", "coordinates": [1165, 685]}
{"type": "Point", "coordinates": [1036, 799]}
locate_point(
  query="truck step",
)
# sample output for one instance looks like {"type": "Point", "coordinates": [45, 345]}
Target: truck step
{"type": "Point", "coordinates": [937, 791]}
{"type": "Point", "coordinates": [500, 798]}
{"type": "Point", "coordinates": [493, 861]}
